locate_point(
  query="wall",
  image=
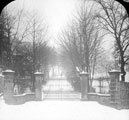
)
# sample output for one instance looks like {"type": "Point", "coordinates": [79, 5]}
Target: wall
{"type": "Point", "coordinates": [101, 98]}
{"type": "Point", "coordinates": [122, 94]}
{"type": "Point", "coordinates": [22, 98]}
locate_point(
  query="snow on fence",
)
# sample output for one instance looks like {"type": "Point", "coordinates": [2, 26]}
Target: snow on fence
{"type": "Point", "coordinates": [101, 85]}
{"type": "Point", "coordinates": [100, 91]}
{"type": "Point", "coordinates": [118, 95]}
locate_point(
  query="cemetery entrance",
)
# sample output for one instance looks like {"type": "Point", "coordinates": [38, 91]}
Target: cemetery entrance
{"type": "Point", "coordinates": [59, 89]}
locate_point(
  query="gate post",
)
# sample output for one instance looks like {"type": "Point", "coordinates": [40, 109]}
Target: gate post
{"type": "Point", "coordinates": [8, 86]}
{"type": "Point", "coordinates": [38, 85]}
{"type": "Point", "coordinates": [114, 79]}
{"type": "Point", "coordinates": [84, 85]}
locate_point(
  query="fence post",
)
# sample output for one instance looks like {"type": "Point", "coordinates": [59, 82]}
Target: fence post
{"type": "Point", "coordinates": [38, 85]}
{"type": "Point", "coordinates": [8, 86]}
{"type": "Point", "coordinates": [84, 85]}
{"type": "Point", "coordinates": [114, 79]}
{"type": "Point", "coordinates": [1, 84]}
{"type": "Point", "coordinates": [100, 85]}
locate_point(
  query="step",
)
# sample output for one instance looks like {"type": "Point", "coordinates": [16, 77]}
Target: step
{"type": "Point", "coordinates": [62, 96]}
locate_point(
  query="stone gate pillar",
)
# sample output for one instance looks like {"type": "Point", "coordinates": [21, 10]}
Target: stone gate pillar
{"type": "Point", "coordinates": [8, 86]}
{"type": "Point", "coordinates": [38, 85]}
{"type": "Point", "coordinates": [114, 79]}
{"type": "Point", "coordinates": [84, 85]}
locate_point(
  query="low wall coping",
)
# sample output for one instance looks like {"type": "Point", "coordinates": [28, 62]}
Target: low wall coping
{"type": "Point", "coordinates": [23, 94]}
{"type": "Point", "coordinates": [8, 71]}
{"type": "Point", "coordinates": [38, 73]}
{"type": "Point", "coordinates": [105, 95]}
{"type": "Point", "coordinates": [114, 71]}
{"type": "Point", "coordinates": [99, 94]}
{"type": "Point", "coordinates": [84, 73]}
{"type": "Point", "coordinates": [92, 93]}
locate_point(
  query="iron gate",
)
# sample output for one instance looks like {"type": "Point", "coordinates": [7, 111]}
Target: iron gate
{"type": "Point", "coordinates": [59, 89]}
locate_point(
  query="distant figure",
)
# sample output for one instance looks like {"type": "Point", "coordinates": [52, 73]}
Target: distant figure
{"type": "Point", "coordinates": [16, 89]}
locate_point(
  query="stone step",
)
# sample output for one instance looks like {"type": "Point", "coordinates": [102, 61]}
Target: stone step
{"type": "Point", "coordinates": [55, 95]}
{"type": "Point", "coordinates": [62, 96]}
{"type": "Point", "coordinates": [60, 92]}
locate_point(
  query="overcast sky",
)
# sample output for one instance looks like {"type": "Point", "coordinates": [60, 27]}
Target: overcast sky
{"type": "Point", "coordinates": [56, 13]}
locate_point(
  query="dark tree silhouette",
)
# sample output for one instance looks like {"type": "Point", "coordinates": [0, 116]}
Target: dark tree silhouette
{"type": "Point", "coordinates": [115, 20]}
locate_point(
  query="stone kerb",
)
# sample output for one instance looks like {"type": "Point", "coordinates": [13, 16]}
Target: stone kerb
{"type": "Point", "coordinates": [38, 85]}
{"type": "Point", "coordinates": [8, 85]}
{"type": "Point", "coordinates": [84, 85]}
{"type": "Point", "coordinates": [114, 79]}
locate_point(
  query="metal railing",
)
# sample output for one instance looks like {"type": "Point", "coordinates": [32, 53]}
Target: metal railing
{"type": "Point", "coordinates": [101, 85]}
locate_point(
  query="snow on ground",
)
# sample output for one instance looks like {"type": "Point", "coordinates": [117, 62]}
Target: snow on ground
{"type": "Point", "coordinates": [57, 85]}
{"type": "Point", "coordinates": [61, 110]}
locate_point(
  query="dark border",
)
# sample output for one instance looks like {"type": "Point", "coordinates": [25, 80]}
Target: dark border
{"type": "Point", "coordinates": [125, 4]}
{"type": "Point", "coordinates": [3, 3]}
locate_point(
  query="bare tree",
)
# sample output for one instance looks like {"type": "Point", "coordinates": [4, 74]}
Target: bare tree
{"type": "Point", "coordinates": [82, 40]}
{"type": "Point", "coordinates": [69, 46]}
{"type": "Point", "coordinates": [38, 37]}
{"type": "Point", "coordinates": [15, 32]}
{"type": "Point", "coordinates": [115, 20]}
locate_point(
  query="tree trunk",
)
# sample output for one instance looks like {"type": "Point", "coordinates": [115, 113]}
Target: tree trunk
{"type": "Point", "coordinates": [122, 69]}
{"type": "Point", "coordinates": [122, 58]}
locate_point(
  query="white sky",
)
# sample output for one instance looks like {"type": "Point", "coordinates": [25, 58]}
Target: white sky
{"type": "Point", "coordinates": [56, 13]}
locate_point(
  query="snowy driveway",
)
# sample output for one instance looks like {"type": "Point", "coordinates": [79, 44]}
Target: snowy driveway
{"type": "Point", "coordinates": [58, 85]}
{"type": "Point", "coordinates": [61, 110]}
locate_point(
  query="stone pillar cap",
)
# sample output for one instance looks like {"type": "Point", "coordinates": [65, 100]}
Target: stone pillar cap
{"type": "Point", "coordinates": [38, 73]}
{"type": "Point", "coordinates": [84, 73]}
{"type": "Point", "coordinates": [114, 71]}
{"type": "Point", "coordinates": [8, 71]}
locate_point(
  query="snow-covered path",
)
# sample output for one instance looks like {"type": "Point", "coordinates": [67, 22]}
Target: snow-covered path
{"type": "Point", "coordinates": [61, 110]}
{"type": "Point", "coordinates": [59, 90]}
{"type": "Point", "coordinates": [58, 85]}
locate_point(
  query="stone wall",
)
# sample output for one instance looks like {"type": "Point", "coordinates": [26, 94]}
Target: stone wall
{"type": "Point", "coordinates": [122, 94]}
{"type": "Point", "coordinates": [118, 99]}
{"type": "Point", "coordinates": [101, 98]}
{"type": "Point", "coordinates": [9, 96]}
{"type": "Point", "coordinates": [21, 99]}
